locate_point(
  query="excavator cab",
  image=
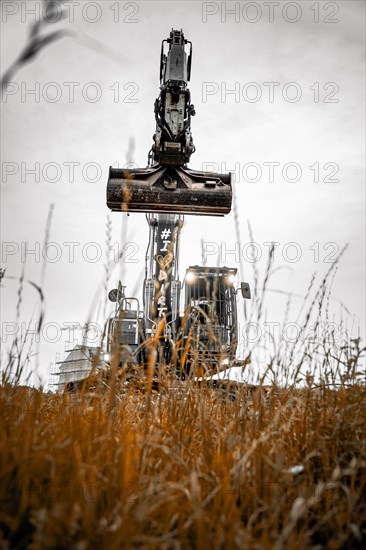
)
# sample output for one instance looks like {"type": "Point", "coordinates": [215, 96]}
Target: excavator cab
{"type": "Point", "coordinates": [167, 185]}
{"type": "Point", "coordinates": [210, 330]}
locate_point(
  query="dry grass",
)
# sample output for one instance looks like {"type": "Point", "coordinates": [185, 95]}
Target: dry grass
{"type": "Point", "coordinates": [236, 466]}
{"type": "Point", "coordinates": [184, 468]}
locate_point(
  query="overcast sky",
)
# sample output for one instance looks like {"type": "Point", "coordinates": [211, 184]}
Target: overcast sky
{"type": "Point", "coordinates": [292, 129]}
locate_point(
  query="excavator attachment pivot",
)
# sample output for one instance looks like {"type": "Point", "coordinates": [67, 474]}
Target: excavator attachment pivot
{"type": "Point", "coordinates": [176, 190]}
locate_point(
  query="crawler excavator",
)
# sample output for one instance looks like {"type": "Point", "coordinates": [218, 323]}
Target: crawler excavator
{"type": "Point", "coordinates": [203, 334]}
{"type": "Point", "coordinates": [199, 336]}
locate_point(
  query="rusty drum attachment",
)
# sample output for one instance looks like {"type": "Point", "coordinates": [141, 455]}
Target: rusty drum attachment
{"type": "Point", "coordinates": [175, 190]}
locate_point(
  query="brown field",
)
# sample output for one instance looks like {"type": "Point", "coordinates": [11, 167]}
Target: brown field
{"type": "Point", "coordinates": [173, 465]}
{"type": "Point", "coordinates": [168, 464]}
{"type": "Point", "coordinates": [184, 468]}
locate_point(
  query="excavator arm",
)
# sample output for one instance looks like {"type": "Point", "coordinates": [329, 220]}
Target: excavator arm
{"type": "Point", "coordinates": [173, 142]}
{"type": "Point", "coordinates": [167, 185]}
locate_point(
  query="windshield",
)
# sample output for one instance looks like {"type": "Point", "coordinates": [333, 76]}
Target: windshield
{"type": "Point", "coordinates": [215, 298]}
